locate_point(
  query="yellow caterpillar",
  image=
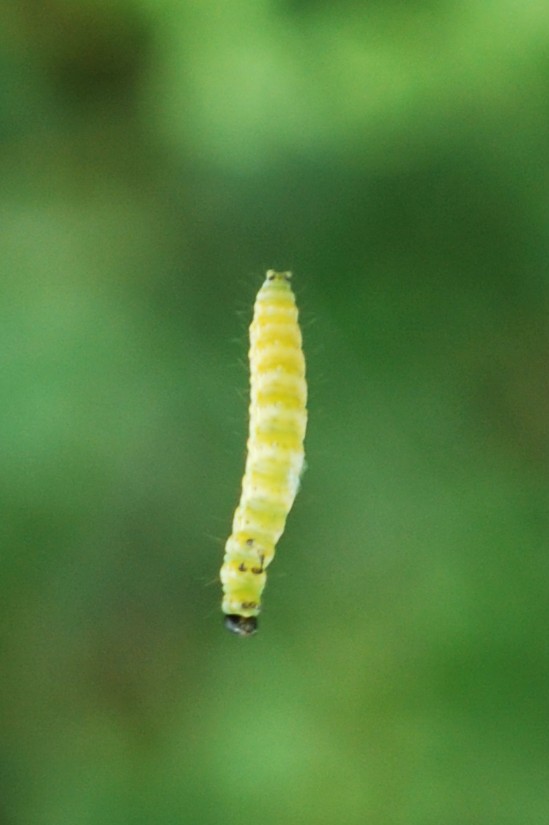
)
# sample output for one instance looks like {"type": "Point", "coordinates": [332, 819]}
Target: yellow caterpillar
{"type": "Point", "coordinates": [278, 419]}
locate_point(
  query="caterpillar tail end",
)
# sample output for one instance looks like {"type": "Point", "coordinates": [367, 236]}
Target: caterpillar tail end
{"type": "Point", "coordinates": [241, 625]}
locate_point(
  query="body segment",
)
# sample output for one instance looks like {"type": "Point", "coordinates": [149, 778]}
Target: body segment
{"type": "Point", "coordinates": [278, 419]}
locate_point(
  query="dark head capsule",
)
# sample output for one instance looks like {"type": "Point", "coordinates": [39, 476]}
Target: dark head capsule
{"type": "Point", "coordinates": [241, 625]}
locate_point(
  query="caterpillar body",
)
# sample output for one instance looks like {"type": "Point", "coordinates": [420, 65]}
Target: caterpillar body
{"type": "Point", "coordinates": [278, 419]}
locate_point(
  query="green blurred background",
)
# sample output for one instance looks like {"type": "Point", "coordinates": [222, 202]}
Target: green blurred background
{"type": "Point", "coordinates": [155, 158]}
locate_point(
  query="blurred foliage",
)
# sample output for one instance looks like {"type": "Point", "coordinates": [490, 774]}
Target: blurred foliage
{"type": "Point", "coordinates": [155, 157]}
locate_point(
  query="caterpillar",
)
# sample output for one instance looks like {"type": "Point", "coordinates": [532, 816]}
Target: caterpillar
{"type": "Point", "coordinates": [278, 419]}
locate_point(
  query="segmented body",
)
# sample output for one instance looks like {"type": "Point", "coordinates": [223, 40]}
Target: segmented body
{"type": "Point", "coordinates": [278, 419]}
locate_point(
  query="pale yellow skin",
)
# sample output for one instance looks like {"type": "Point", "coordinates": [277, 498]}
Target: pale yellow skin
{"type": "Point", "coordinates": [278, 419]}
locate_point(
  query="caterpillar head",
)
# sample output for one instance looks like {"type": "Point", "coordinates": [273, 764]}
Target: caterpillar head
{"type": "Point", "coordinates": [241, 625]}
